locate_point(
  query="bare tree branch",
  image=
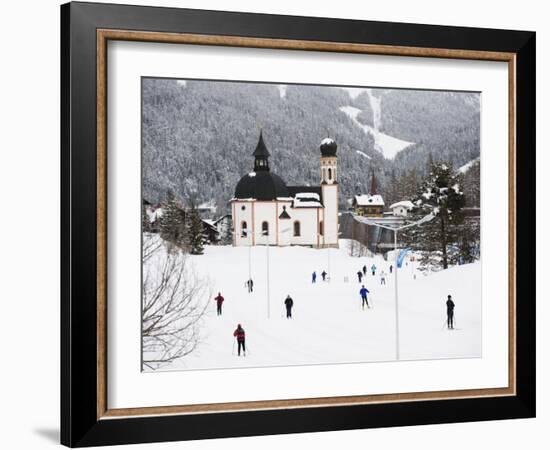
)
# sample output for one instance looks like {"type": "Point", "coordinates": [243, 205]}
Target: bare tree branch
{"type": "Point", "coordinates": [173, 304]}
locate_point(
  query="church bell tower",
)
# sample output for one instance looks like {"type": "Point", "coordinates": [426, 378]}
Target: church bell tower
{"type": "Point", "coordinates": [328, 226]}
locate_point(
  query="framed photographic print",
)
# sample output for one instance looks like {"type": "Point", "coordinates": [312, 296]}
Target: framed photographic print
{"type": "Point", "coordinates": [277, 224]}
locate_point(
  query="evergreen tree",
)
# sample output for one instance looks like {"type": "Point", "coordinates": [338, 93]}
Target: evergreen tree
{"type": "Point", "coordinates": [173, 223]}
{"type": "Point", "coordinates": [471, 185]}
{"type": "Point", "coordinates": [226, 234]}
{"type": "Point", "coordinates": [441, 195]}
{"type": "Point", "coordinates": [195, 232]}
{"type": "Point", "coordinates": [145, 222]}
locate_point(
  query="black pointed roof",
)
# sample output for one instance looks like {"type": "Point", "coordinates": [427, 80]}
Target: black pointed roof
{"type": "Point", "coordinates": [284, 214]}
{"type": "Point", "coordinates": [261, 184]}
{"type": "Point", "coordinates": [261, 149]}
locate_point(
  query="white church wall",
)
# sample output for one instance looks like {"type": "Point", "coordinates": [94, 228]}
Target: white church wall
{"type": "Point", "coordinates": [265, 211]}
{"type": "Point", "coordinates": [240, 215]}
{"type": "Point", "coordinates": [308, 226]}
{"type": "Point", "coordinates": [284, 224]}
{"type": "Point", "coordinates": [330, 201]}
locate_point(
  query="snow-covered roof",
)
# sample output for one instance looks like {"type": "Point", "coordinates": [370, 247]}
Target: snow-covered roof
{"type": "Point", "coordinates": [207, 205]}
{"type": "Point", "coordinates": [308, 195]}
{"type": "Point", "coordinates": [369, 200]}
{"type": "Point", "coordinates": [154, 214]}
{"type": "Point", "coordinates": [327, 141]}
{"type": "Point", "coordinates": [405, 203]}
{"type": "Point", "coordinates": [252, 174]}
{"type": "Point", "coordinates": [307, 200]}
{"type": "Point", "coordinates": [307, 204]}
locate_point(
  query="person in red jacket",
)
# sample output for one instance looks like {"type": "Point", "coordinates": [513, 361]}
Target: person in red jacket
{"type": "Point", "coordinates": [239, 334]}
{"type": "Point", "coordinates": [219, 300]}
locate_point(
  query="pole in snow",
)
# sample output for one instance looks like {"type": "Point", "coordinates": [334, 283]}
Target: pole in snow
{"type": "Point", "coordinates": [396, 298]}
{"type": "Point", "coordinates": [425, 219]}
{"type": "Point", "coordinates": [249, 262]}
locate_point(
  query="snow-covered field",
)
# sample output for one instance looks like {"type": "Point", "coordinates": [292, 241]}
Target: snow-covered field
{"type": "Point", "coordinates": [328, 324]}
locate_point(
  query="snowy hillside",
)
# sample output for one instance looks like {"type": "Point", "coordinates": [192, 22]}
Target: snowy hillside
{"type": "Point", "coordinates": [328, 324]}
{"type": "Point", "coordinates": [468, 165]}
{"type": "Point", "coordinates": [198, 136]}
{"type": "Point", "coordinates": [387, 145]}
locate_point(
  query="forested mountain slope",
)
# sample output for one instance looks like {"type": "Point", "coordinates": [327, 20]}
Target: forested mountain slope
{"type": "Point", "coordinates": [198, 137]}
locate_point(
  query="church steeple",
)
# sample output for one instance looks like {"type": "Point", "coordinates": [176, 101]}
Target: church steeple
{"type": "Point", "coordinates": [261, 155]}
{"type": "Point", "coordinates": [373, 185]}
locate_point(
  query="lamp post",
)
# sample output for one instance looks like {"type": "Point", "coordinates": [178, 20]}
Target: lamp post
{"type": "Point", "coordinates": [367, 221]}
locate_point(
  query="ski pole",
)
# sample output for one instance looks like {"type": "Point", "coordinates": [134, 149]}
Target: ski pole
{"type": "Point", "coordinates": [233, 351]}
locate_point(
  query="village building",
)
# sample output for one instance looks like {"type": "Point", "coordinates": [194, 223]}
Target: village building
{"type": "Point", "coordinates": [265, 210]}
{"type": "Point", "coordinates": [368, 205]}
{"type": "Point", "coordinates": [401, 209]}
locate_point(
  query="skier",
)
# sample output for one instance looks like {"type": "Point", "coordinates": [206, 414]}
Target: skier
{"type": "Point", "coordinates": [219, 300]}
{"type": "Point", "coordinates": [314, 277]}
{"type": "Point", "coordinates": [373, 270]}
{"type": "Point", "coordinates": [364, 270]}
{"type": "Point", "coordinates": [324, 275]}
{"type": "Point", "coordinates": [391, 269]}
{"type": "Point", "coordinates": [450, 313]}
{"type": "Point", "coordinates": [363, 292]}
{"type": "Point", "coordinates": [250, 285]}
{"type": "Point", "coordinates": [239, 334]}
{"type": "Point", "coordinates": [289, 303]}
{"type": "Point", "coordinates": [359, 275]}
{"type": "Point", "coordinates": [382, 277]}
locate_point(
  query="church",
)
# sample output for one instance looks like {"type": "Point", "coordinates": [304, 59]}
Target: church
{"type": "Point", "coordinates": [267, 211]}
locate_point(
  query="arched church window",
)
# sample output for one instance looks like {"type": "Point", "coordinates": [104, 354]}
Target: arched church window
{"type": "Point", "coordinates": [321, 228]}
{"type": "Point", "coordinates": [297, 228]}
{"type": "Point", "coordinates": [329, 174]}
{"type": "Point", "coordinates": [244, 230]}
{"type": "Point", "coordinates": [265, 229]}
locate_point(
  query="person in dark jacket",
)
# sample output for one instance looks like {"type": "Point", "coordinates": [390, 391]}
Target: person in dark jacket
{"type": "Point", "coordinates": [324, 275]}
{"type": "Point", "coordinates": [363, 292]}
{"type": "Point", "coordinates": [250, 285]}
{"type": "Point", "coordinates": [314, 277]}
{"type": "Point", "coordinates": [450, 313]}
{"type": "Point", "coordinates": [289, 303]}
{"type": "Point", "coordinates": [364, 270]}
{"type": "Point", "coordinates": [391, 269]}
{"type": "Point", "coordinates": [359, 275]}
{"type": "Point", "coordinates": [219, 300]}
{"type": "Point", "coordinates": [239, 334]}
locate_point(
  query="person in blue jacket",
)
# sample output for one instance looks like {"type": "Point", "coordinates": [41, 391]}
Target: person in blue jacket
{"type": "Point", "coordinates": [363, 292]}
